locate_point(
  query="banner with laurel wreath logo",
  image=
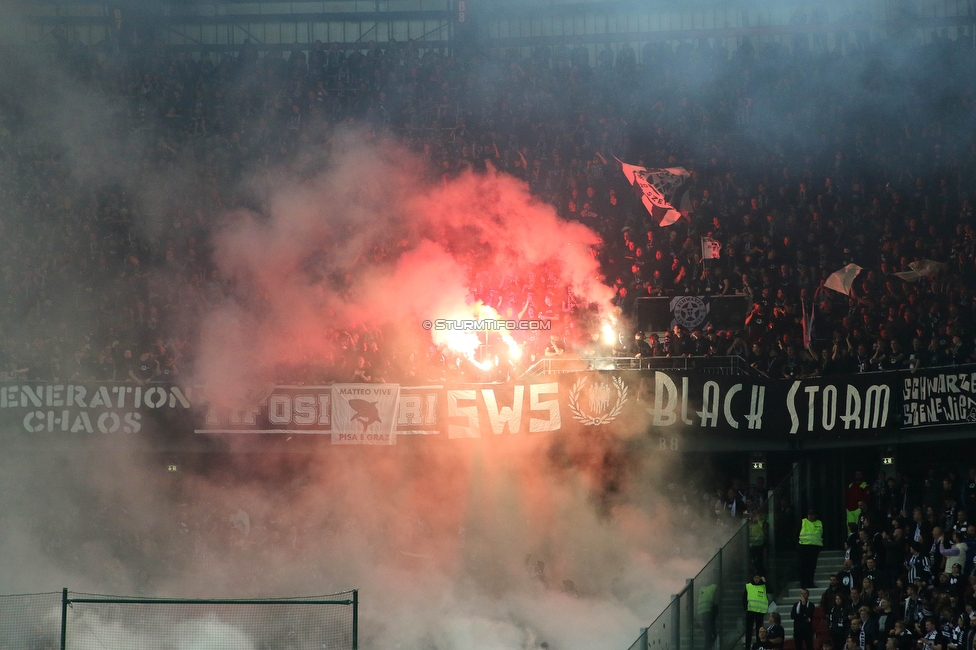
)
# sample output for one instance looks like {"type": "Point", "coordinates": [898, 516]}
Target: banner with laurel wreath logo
{"type": "Point", "coordinates": [595, 407]}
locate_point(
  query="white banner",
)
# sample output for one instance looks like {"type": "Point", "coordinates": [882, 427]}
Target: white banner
{"type": "Point", "coordinates": [364, 414]}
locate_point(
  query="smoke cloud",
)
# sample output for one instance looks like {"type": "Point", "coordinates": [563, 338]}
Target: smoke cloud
{"type": "Point", "coordinates": [504, 543]}
{"type": "Point", "coordinates": [369, 242]}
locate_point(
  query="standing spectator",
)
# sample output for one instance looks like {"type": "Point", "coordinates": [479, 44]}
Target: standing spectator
{"type": "Point", "coordinates": [833, 588]}
{"type": "Point", "coordinates": [956, 554]}
{"type": "Point", "coordinates": [970, 539]}
{"type": "Point", "coordinates": [969, 495]}
{"type": "Point", "coordinates": [857, 491]}
{"type": "Point", "coordinates": [921, 530]}
{"type": "Point", "coordinates": [838, 620]}
{"type": "Point", "coordinates": [363, 372]}
{"type": "Point", "coordinates": [642, 348]}
{"type": "Point", "coordinates": [810, 545]}
{"type": "Point", "coordinates": [868, 634]}
{"type": "Point", "coordinates": [756, 604]}
{"type": "Point", "coordinates": [802, 615]}
{"type": "Point", "coordinates": [707, 609]}
{"type": "Point", "coordinates": [932, 638]}
{"type": "Point", "coordinates": [902, 637]}
{"type": "Point", "coordinates": [144, 370]}
{"type": "Point", "coordinates": [775, 632]}
{"type": "Point", "coordinates": [918, 563]}
{"type": "Point", "coordinates": [887, 617]}
{"type": "Point", "coordinates": [758, 542]}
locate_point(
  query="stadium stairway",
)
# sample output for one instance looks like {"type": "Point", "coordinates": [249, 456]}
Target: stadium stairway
{"type": "Point", "coordinates": [828, 562]}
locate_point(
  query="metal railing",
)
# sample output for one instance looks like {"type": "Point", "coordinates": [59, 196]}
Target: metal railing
{"type": "Point", "coordinates": [78, 621]}
{"type": "Point", "coordinates": [731, 365]}
{"type": "Point", "coordinates": [707, 614]}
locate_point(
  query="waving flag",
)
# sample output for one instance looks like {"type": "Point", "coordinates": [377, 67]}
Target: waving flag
{"type": "Point", "coordinates": [921, 269]}
{"type": "Point", "coordinates": [710, 248]}
{"type": "Point", "coordinates": [807, 323]}
{"type": "Point", "coordinates": [661, 191]}
{"type": "Point", "coordinates": [841, 281]}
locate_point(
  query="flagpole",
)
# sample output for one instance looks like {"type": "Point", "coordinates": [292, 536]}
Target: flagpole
{"type": "Point", "coordinates": [703, 254]}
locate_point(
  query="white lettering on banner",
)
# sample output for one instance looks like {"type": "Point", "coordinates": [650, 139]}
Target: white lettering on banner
{"type": "Point", "coordinates": [756, 406]}
{"type": "Point", "coordinates": [368, 392]}
{"type": "Point", "coordinates": [101, 398]}
{"type": "Point", "coordinates": [829, 412]}
{"type": "Point", "coordinates": [361, 438]}
{"type": "Point", "coordinates": [554, 421]}
{"type": "Point", "coordinates": [279, 409]}
{"type": "Point", "coordinates": [410, 410]}
{"type": "Point", "coordinates": [876, 404]}
{"type": "Point", "coordinates": [56, 395]}
{"type": "Point", "coordinates": [76, 408]}
{"type": "Point", "coordinates": [662, 415]}
{"type": "Point", "coordinates": [852, 416]}
{"type": "Point", "coordinates": [791, 407]}
{"type": "Point", "coordinates": [710, 402]}
{"type": "Point", "coordinates": [417, 410]}
{"type": "Point", "coordinates": [305, 410]}
{"type": "Point", "coordinates": [667, 399]}
{"type": "Point", "coordinates": [246, 416]}
{"type": "Point", "coordinates": [945, 398]}
{"type": "Point", "coordinates": [462, 418]}
{"type": "Point", "coordinates": [869, 412]}
{"type": "Point", "coordinates": [510, 416]}
{"type": "Point", "coordinates": [74, 422]}
{"type": "Point", "coordinates": [684, 403]}
{"type": "Point", "coordinates": [155, 402]}
{"type": "Point", "coordinates": [924, 388]}
{"type": "Point", "coordinates": [728, 405]}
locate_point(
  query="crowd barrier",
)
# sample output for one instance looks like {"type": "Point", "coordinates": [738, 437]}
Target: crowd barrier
{"type": "Point", "coordinates": [79, 621]}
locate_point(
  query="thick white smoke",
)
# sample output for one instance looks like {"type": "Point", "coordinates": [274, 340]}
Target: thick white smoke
{"type": "Point", "coordinates": [455, 545]}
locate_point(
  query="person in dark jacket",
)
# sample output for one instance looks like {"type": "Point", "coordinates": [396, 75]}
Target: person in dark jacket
{"type": "Point", "coordinates": [802, 615]}
{"type": "Point", "coordinates": [838, 620]}
{"type": "Point", "coordinates": [775, 631]}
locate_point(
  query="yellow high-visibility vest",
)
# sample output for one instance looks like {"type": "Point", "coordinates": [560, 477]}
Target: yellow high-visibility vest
{"type": "Point", "coordinates": [705, 598]}
{"type": "Point", "coordinates": [811, 532]}
{"type": "Point", "coordinates": [756, 534]}
{"type": "Point", "coordinates": [756, 598]}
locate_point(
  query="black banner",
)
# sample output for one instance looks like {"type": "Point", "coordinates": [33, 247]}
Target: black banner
{"type": "Point", "coordinates": [691, 312]}
{"type": "Point", "coordinates": [665, 402]}
{"type": "Point", "coordinates": [938, 397]}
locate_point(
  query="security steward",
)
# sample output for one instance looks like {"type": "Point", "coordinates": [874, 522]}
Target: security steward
{"type": "Point", "coordinates": [707, 609]}
{"type": "Point", "coordinates": [756, 604]}
{"type": "Point", "coordinates": [810, 545]}
{"type": "Point", "coordinates": [758, 529]}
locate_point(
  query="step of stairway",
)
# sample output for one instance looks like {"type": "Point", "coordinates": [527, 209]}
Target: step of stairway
{"type": "Point", "coordinates": [828, 562]}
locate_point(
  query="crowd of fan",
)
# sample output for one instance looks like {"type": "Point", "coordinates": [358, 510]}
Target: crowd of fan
{"type": "Point", "coordinates": [908, 578]}
{"type": "Point", "coordinates": [802, 161]}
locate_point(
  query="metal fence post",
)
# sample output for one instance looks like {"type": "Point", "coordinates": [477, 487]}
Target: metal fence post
{"type": "Point", "coordinates": [675, 622]}
{"type": "Point", "coordinates": [64, 618]}
{"type": "Point", "coordinates": [746, 558]}
{"type": "Point", "coordinates": [355, 619]}
{"type": "Point", "coordinates": [720, 597]}
{"type": "Point", "coordinates": [692, 603]}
